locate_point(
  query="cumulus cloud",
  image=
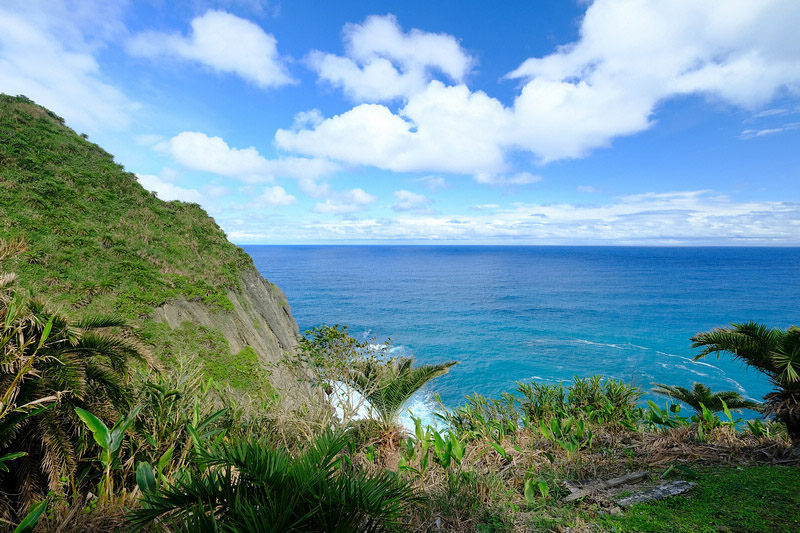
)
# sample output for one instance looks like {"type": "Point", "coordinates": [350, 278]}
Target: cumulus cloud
{"type": "Point", "coordinates": [345, 203]}
{"type": "Point", "coordinates": [167, 191]}
{"type": "Point", "coordinates": [198, 151]}
{"type": "Point", "coordinates": [383, 63]}
{"type": "Point", "coordinates": [49, 59]}
{"type": "Point", "coordinates": [443, 128]}
{"type": "Point", "coordinates": [274, 197]}
{"type": "Point", "coordinates": [410, 201]}
{"type": "Point", "coordinates": [631, 56]}
{"type": "Point", "coordinates": [223, 42]}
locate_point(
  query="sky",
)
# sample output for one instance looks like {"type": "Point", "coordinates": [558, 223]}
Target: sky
{"type": "Point", "coordinates": [554, 122]}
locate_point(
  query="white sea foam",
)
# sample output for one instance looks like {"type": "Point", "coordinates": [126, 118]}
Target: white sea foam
{"type": "Point", "coordinates": [692, 361]}
{"type": "Point", "coordinates": [349, 403]}
{"type": "Point", "coordinates": [422, 406]}
{"type": "Point", "coordinates": [736, 384]}
{"type": "Point", "coordinates": [540, 378]}
{"type": "Point", "coordinates": [626, 346]}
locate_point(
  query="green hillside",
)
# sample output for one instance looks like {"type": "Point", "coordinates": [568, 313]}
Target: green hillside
{"type": "Point", "coordinates": [98, 243]}
{"type": "Point", "coordinates": [96, 238]}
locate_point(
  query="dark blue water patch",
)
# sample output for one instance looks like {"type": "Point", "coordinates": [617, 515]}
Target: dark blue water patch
{"type": "Point", "coordinates": [547, 313]}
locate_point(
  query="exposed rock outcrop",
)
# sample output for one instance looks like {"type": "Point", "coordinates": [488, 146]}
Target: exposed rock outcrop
{"type": "Point", "coordinates": [260, 319]}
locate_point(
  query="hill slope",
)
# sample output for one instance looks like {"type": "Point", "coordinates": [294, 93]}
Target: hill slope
{"type": "Point", "coordinates": [98, 242]}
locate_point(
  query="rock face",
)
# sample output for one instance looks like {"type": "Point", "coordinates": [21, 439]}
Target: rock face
{"type": "Point", "coordinates": [261, 319]}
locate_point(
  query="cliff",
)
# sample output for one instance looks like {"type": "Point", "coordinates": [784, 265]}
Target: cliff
{"type": "Point", "coordinates": [100, 243]}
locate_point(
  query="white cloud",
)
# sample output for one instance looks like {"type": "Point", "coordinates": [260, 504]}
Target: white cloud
{"type": "Point", "coordinates": [223, 42]}
{"type": "Point", "coordinates": [345, 203]}
{"type": "Point", "coordinates": [770, 113]}
{"type": "Point", "coordinates": [752, 133]}
{"type": "Point", "coordinates": [168, 191]}
{"type": "Point", "coordinates": [410, 201]}
{"type": "Point", "coordinates": [198, 151]}
{"type": "Point", "coordinates": [274, 196]}
{"type": "Point", "coordinates": [674, 218]}
{"type": "Point", "coordinates": [634, 54]}
{"type": "Point", "coordinates": [433, 182]}
{"type": "Point", "coordinates": [586, 188]}
{"type": "Point", "coordinates": [520, 178]}
{"type": "Point", "coordinates": [48, 59]}
{"type": "Point", "coordinates": [631, 56]}
{"type": "Point", "coordinates": [383, 63]}
{"type": "Point", "coordinates": [445, 129]}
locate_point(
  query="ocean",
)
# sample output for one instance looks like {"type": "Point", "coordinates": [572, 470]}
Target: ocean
{"type": "Point", "coordinates": [519, 313]}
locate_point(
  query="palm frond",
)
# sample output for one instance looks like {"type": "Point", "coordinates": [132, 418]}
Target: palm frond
{"type": "Point", "coordinates": [701, 395]}
{"type": "Point", "coordinates": [388, 387]}
{"type": "Point", "coordinates": [101, 321]}
{"type": "Point", "coordinates": [272, 492]}
{"type": "Point", "coordinates": [751, 343]}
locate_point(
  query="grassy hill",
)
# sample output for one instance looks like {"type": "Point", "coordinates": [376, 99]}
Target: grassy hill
{"type": "Point", "coordinates": [100, 243]}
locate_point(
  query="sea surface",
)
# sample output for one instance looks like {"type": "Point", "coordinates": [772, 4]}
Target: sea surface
{"type": "Point", "coordinates": [514, 313]}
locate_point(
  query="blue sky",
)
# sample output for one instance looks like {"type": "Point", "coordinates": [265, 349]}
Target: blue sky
{"type": "Point", "coordinates": [658, 122]}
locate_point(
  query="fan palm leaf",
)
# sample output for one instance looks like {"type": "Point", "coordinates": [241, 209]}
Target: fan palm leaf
{"type": "Point", "coordinates": [389, 386]}
{"type": "Point", "coordinates": [50, 364]}
{"type": "Point", "coordinates": [774, 352]}
{"type": "Point", "coordinates": [701, 394]}
{"type": "Point", "coordinates": [248, 486]}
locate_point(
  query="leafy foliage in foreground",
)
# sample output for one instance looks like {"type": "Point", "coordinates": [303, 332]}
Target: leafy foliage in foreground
{"type": "Point", "coordinates": [774, 352]}
{"type": "Point", "coordinates": [701, 396]}
{"type": "Point", "coordinates": [49, 366]}
{"type": "Point", "coordinates": [248, 486]}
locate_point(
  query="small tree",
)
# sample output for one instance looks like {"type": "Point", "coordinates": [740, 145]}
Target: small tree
{"type": "Point", "coordinates": [330, 360]}
{"type": "Point", "coordinates": [700, 394]}
{"type": "Point", "coordinates": [388, 386]}
{"type": "Point", "coordinates": [774, 352]}
{"type": "Point", "coordinates": [360, 376]}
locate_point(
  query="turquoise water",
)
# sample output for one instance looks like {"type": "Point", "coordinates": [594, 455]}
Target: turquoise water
{"type": "Point", "coordinates": [542, 313]}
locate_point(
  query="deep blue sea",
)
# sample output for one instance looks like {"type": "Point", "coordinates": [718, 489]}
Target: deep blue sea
{"type": "Point", "coordinates": [509, 313]}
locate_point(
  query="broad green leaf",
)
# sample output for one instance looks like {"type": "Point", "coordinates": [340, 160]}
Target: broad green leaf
{"type": "Point", "coordinates": [210, 419]}
{"type": "Point", "coordinates": [45, 333]}
{"type": "Point", "coordinates": [726, 410]}
{"type": "Point", "coordinates": [145, 478]}
{"type": "Point", "coordinates": [10, 457]}
{"type": "Point", "coordinates": [530, 492]}
{"type": "Point", "coordinates": [30, 520]}
{"type": "Point", "coordinates": [119, 429]}
{"type": "Point", "coordinates": [502, 451]}
{"type": "Point", "coordinates": [163, 462]}
{"type": "Point", "coordinates": [99, 430]}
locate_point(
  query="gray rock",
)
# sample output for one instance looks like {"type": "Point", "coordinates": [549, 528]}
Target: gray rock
{"type": "Point", "coordinates": [260, 319]}
{"type": "Point", "coordinates": [664, 490]}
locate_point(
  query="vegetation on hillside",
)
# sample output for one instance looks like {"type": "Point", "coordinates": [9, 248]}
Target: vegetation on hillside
{"type": "Point", "coordinates": [98, 243]}
{"type": "Point", "coordinates": [774, 352]}
{"type": "Point", "coordinates": [96, 239]}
